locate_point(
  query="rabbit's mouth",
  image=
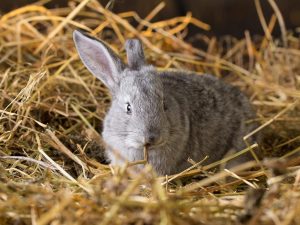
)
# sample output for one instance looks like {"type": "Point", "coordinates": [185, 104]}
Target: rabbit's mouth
{"type": "Point", "coordinates": [157, 145]}
{"type": "Point", "coordinates": [140, 145]}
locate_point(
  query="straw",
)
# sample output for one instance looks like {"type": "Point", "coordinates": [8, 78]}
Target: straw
{"type": "Point", "coordinates": [53, 166]}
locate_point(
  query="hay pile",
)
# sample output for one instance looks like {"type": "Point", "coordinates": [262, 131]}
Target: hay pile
{"type": "Point", "coordinates": [51, 109]}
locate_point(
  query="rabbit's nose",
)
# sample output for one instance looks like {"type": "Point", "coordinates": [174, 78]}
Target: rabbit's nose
{"type": "Point", "coordinates": [151, 139]}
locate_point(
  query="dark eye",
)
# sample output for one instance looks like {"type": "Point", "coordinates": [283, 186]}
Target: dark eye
{"type": "Point", "coordinates": [165, 107]}
{"type": "Point", "coordinates": [128, 108]}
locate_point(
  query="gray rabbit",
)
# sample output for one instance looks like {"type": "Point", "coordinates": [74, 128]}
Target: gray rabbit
{"type": "Point", "coordinates": [176, 114]}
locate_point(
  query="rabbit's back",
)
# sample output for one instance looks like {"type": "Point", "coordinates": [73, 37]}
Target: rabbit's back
{"type": "Point", "coordinates": [213, 114]}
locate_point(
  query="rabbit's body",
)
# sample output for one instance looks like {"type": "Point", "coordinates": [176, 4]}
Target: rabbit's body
{"type": "Point", "coordinates": [177, 114]}
{"type": "Point", "coordinates": [207, 120]}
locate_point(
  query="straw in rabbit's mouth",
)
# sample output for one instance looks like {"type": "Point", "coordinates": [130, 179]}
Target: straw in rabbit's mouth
{"type": "Point", "coordinates": [156, 146]}
{"type": "Point", "coordinates": [144, 161]}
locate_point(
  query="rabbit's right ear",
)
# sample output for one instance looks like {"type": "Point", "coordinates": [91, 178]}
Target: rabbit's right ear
{"type": "Point", "coordinates": [100, 60]}
{"type": "Point", "coordinates": [135, 54]}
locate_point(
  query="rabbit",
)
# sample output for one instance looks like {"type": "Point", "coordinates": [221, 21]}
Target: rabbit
{"type": "Point", "coordinates": [176, 114]}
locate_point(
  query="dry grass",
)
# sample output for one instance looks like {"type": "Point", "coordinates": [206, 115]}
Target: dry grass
{"type": "Point", "coordinates": [51, 111]}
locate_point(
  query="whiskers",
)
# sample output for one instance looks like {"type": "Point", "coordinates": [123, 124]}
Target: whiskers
{"type": "Point", "coordinates": [124, 132]}
{"type": "Point", "coordinates": [133, 139]}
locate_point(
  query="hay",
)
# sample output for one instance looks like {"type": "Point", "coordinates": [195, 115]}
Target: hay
{"type": "Point", "coordinates": [51, 111]}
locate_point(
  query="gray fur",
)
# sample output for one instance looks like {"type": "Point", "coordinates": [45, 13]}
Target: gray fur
{"type": "Point", "coordinates": [135, 54]}
{"type": "Point", "coordinates": [178, 114]}
{"type": "Point", "coordinates": [92, 52]}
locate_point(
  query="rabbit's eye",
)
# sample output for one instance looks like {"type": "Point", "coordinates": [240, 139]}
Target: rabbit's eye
{"type": "Point", "coordinates": [165, 107]}
{"type": "Point", "coordinates": [128, 108]}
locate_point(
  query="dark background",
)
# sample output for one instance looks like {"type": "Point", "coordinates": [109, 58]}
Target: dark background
{"type": "Point", "coordinates": [231, 17]}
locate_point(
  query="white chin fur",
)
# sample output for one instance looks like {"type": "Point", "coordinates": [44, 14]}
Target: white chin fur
{"type": "Point", "coordinates": [130, 143]}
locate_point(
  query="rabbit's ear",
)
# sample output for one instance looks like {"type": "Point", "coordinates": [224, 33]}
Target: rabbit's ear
{"type": "Point", "coordinates": [135, 54]}
{"type": "Point", "coordinates": [100, 60]}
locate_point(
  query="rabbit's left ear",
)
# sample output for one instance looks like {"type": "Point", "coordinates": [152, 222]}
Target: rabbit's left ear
{"type": "Point", "coordinates": [100, 60]}
{"type": "Point", "coordinates": [135, 54]}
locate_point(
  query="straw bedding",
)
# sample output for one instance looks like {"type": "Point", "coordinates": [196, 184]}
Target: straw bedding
{"type": "Point", "coordinates": [52, 165]}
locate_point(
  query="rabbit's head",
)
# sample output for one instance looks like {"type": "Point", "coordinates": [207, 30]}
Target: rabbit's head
{"type": "Point", "coordinates": [137, 116]}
